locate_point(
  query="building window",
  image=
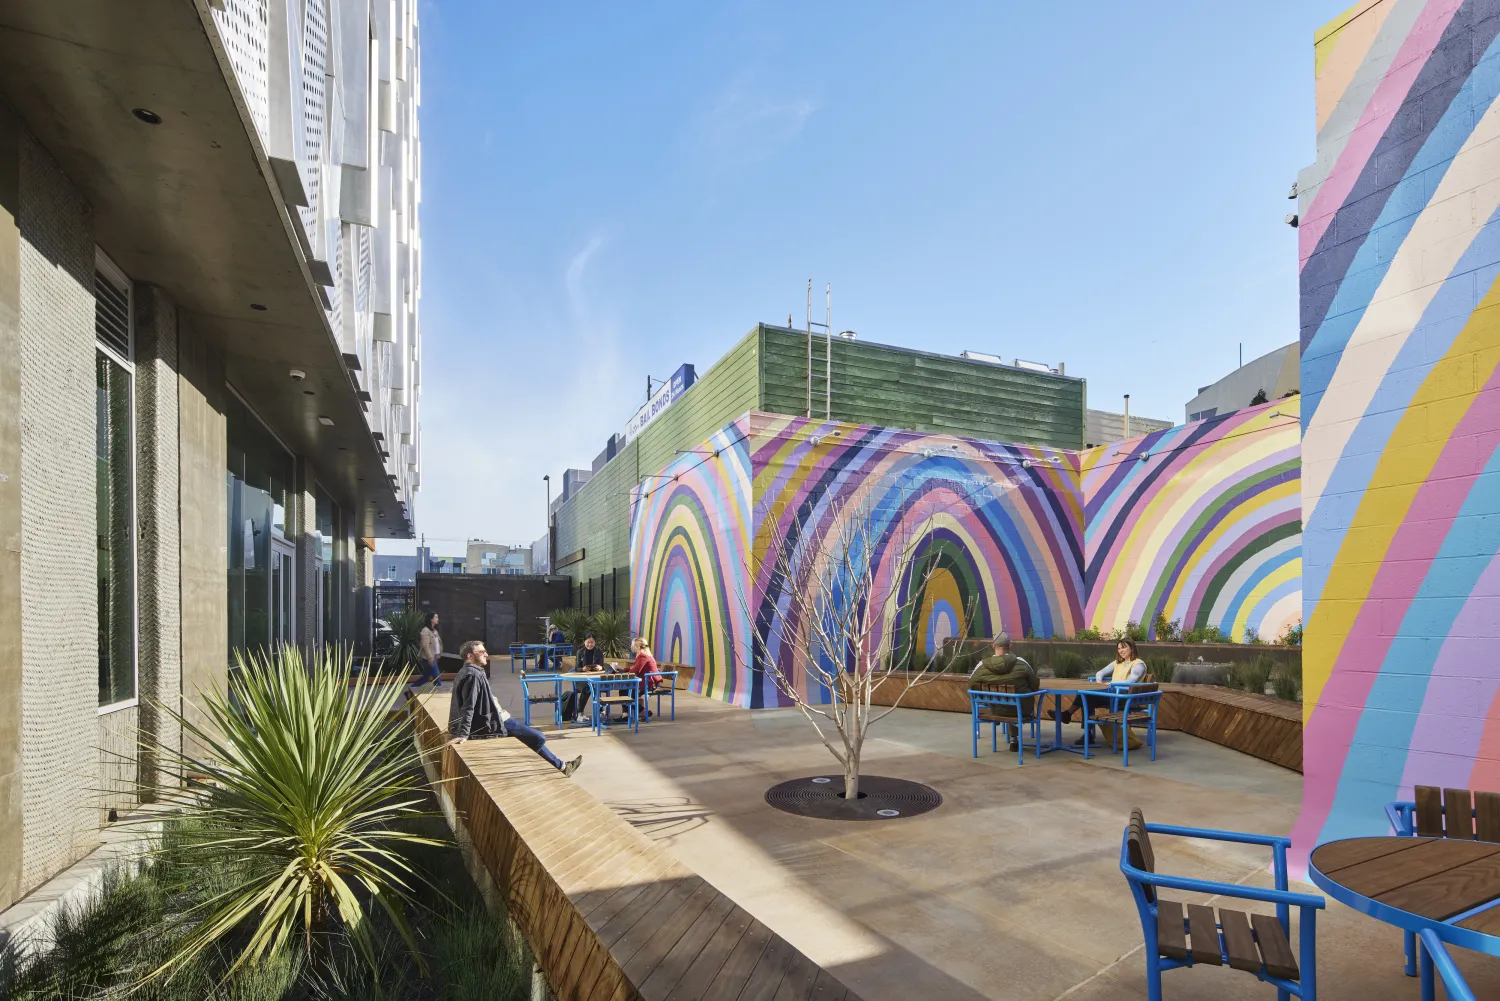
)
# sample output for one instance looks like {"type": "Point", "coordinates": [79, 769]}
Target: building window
{"type": "Point", "coordinates": [114, 484]}
{"type": "Point", "coordinates": [330, 555]}
{"type": "Point", "coordinates": [261, 555]}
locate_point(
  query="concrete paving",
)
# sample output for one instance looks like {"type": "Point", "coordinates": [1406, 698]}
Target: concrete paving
{"type": "Point", "coordinates": [1010, 890]}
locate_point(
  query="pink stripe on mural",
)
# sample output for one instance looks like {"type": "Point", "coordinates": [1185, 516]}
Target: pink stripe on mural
{"type": "Point", "coordinates": [1451, 725]}
{"type": "Point", "coordinates": [1329, 730]}
{"type": "Point", "coordinates": [1486, 771]}
{"type": "Point", "coordinates": [1415, 50]}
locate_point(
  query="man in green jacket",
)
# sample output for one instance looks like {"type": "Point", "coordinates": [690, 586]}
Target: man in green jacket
{"type": "Point", "coordinates": [1005, 668]}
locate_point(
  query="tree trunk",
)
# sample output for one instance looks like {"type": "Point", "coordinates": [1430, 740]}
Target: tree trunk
{"type": "Point", "coordinates": [855, 744]}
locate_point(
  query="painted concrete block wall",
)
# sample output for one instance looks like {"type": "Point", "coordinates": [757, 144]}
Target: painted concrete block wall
{"type": "Point", "coordinates": [1399, 253]}
{"type": "Point", "coordinates": [1002, 522]}
{"type": "Point", "coordinates": [1022, 537]}
{"type": "Point", "coordinates": [1201, 524]}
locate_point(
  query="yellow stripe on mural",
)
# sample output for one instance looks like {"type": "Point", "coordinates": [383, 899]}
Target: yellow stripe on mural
{"type": "Point", "coordinates": [1291, 570]}
{"type": "Point", "coordinates": [1405, 465]}
{"type": "Point", "coordinates": [1287, 491]}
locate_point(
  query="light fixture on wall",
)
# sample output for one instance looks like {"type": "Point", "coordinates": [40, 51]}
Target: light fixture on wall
{"type": "Point", "coordinates": [146, 115]}
{"type": "Point", "coordinates": [325, 420]}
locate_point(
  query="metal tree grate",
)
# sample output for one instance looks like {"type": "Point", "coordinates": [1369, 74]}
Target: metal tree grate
{"type": "Point", "coordinates": [822, 797]}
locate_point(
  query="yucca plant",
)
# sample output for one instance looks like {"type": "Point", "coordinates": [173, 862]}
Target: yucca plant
{"type": "Point", "coordinates": [406, 639]}
{"type": "Point", "coordinates": [612, 632]}
{"type": "Point", "coordinates": [302, 785]}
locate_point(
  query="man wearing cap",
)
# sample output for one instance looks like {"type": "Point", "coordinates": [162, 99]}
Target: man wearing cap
{"type": "Point", "coordinates": [1004, 668]}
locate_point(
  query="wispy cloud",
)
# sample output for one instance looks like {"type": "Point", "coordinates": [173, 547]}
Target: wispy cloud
{"type": "Point", "coordinates": [746, 121]}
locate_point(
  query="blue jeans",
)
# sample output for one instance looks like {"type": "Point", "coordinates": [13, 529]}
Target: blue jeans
{"type": "Point", "coordinates": [532, 739]}
{"type": "Point", "coordinates": [431, 673]}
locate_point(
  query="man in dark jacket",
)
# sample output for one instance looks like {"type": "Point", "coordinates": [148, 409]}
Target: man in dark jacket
{"type": "Point", "coordinates": [474, 712]}
{"type": "Point", "coordinates": [1005, 668]}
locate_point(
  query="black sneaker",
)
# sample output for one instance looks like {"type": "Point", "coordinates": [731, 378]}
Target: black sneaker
{"type": "Point", "coordinates": [1014, 746]}
{"type": "Point", "coordinates": [572, 766]}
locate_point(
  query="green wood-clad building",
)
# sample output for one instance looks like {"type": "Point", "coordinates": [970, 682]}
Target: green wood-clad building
{"type": "Point", "coordinates": [768, 370]}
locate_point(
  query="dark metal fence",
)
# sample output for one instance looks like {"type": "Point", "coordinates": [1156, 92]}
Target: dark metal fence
{"type": "Point", "coordinates": [608, 592]}
{"type": "Point", "coordinates": [391, 598]}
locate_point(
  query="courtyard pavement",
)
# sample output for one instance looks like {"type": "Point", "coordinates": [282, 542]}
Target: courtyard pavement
{"type": "Point", "coordinates": [1009, 890]}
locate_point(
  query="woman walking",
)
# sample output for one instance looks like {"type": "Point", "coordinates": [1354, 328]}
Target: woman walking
{"type": "Point", "coordinates": [431, 650]}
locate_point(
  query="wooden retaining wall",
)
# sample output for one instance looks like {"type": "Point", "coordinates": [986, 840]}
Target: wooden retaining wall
{"type": "Point", "coordinates": [1259, 725]}
{"type": "Point", "coordinates": [609, 914]}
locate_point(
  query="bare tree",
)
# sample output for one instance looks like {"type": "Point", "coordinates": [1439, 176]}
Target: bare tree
{"type": "Point", "coordinates": [831, 595]}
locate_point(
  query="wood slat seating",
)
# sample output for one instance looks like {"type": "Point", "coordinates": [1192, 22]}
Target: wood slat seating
{"type": "Point", "coordinates": [607, 912]}
{"type": "Point", "coordinates": [1444, 813]}
{"type": "Point", "coordinates": [1183, 935]}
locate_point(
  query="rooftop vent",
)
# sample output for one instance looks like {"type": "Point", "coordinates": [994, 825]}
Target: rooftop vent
{"type": "Point", "coordinates": [981, 356]}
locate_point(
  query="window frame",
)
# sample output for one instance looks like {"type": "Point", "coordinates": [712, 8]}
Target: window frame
{"type": "Point", "coordinates": [122, 282]}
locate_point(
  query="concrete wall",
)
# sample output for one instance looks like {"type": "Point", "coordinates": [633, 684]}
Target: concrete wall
{"type": "Point", "coordinates": [1275, 373]}
{"type": "Point", "coordinates": [459, 600]}
{"type": "Point", "coordinates": [1399, 247]}
{"type": "Point", "coordinates": [11, 810]}
{"type": "Point", "coordinates": [59, 650]}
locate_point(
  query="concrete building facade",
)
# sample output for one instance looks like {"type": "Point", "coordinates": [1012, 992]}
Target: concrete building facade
{"type": "Point", "coordinates": [209, 370]}
{"type": "Point", "coordinates": [1276, 374]}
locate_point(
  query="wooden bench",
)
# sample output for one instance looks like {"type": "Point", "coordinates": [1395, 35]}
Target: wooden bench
{"type": "Point", "coordinates": [606, 911]}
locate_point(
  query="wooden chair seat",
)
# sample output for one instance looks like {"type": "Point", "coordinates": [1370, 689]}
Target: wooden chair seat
{"type": "Point", "coordinates": [614, 700]}
{"type": "Point", "coordinates": [535, 699]}
{"type": "Point", "coordinates": [1137, 716]}
{"type": "Point", "coordinates": [1248, 941]}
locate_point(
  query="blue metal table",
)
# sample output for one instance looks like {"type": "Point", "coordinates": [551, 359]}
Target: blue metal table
{"type": "Point", "coordinates": [598, 684]}
{"type": "Point", "coordinates": [1446, 891]}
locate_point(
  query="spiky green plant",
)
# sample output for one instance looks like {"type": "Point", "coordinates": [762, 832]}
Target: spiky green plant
{"type": "Point", "coordinates": [298, 780]}
{"type": "Point", "coordinates": [406, 642]}
{"type": "Point", "coordinates": [611, 631]}
{"type": "Point", "coordinates": [573, 622]}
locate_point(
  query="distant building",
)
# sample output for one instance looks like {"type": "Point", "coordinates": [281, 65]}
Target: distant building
{"type": "Point", "coordinates": [1101, 427]}
{"type": "Point", "coordinates": [541, 559]}
{"type": "Point", "coordinates": [497, 558]}
{"type": "Point", "coordinates": [396, 569]}
{"type": "Point", "coordinates": [1276, 374]}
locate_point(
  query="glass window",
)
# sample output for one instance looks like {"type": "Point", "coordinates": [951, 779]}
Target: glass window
{"type": "Point", "coordinates": [114, 485]}
{"type": "Point", "coordinates": [260, 500]}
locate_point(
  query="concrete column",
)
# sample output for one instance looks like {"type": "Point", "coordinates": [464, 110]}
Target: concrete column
{"type": "Point", "coordinates": [364, 597]}
{"type": "Point", "coordinates": [10, 513]}
{"type": "Point", "coordinates": [158, 519]}
{"type": "Point", "coordinates": [308, 585]}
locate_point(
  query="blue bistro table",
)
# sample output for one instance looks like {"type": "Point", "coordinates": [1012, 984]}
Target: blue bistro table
{"type": "Point", "coordinates": [598, 685]}
{"type": "Point", "coordinates": [1446, 891]}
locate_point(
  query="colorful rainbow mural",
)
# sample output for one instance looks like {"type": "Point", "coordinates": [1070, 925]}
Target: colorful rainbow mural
{"type": "Point", "coordinates": [998, 524]}
{"type": "Point", "coordinates": [1199, 524]}
{"type": "Point", "coordinates": [1400, 253]}
{"type": "Point", "coordinates": [689, 532]}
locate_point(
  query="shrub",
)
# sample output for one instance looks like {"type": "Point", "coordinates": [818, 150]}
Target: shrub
{"type": "Point", "coordinates": [611, 631]}
{"type": "Point", "coordinates": [299, 790]}
{"type": "Point", "coordinates": [1292, 636]}
{"type": "Point", "coordinates": [406, 642]}
{"type": "Point", "coordinates": [573, 622]}
{"type": "Point", "coordinates": [1167, 632]}
{"type": "Point", "coordinates": [1067, 664]}
{"type": "Point", "coordinates": [1161, 668]}
{"type": "Point", "coordinates": [1205, 634]}
{"type": "Point", "coordinates": [1089, 635]}
{"type": "Point", "coordinates": [1253, 675]}
{"type": "Point", "coordinates": [1252, 636]}
{"type": "Point", "coordinates": [1099, 663]}
{"type": "Point", "coordinates": [1286, 681]}
{"type": "Point", "coordinates": [964, 662]}
{"type": "Point", "coordinates": [1133, 631]}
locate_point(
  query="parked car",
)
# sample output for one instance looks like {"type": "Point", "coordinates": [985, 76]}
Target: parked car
{"type": "Point", "coordinates": [385, 638]}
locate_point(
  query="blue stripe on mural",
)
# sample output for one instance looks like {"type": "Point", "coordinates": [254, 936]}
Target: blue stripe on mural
{"type": "Point", "coordinates": [1382, 740]}
{"type": "Point", "coordinates": [1401, 153]}
{"type": "Point", "coordinates": [1445, 317]}
{"type": "Point", "coordinates": [1262, 571]}
{"type": "Point", "coordinates": [1352, 285]}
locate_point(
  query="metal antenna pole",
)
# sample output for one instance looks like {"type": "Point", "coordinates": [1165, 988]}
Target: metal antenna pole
{"type": "Point", "coordinates": [809, 347]}
{"type": "Point", "coordinates": [828, 355]}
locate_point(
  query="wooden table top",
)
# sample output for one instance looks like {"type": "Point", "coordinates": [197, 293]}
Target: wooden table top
{"type": "Point", "coordinates": [1436, 878]}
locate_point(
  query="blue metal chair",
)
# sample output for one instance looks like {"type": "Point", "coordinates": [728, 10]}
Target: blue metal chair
{"type": "Point", "coordinates": [630, 703]}
{"type": "Point", "coordinates": [1443, 813]}
{"type": "Point", "coordinates": [667, 689]}
{"type": "Point", "coordinates": [1457, 987]}
{"type": "Point", "coordinates": [1126, 706]}
{"type": "Point", "coordinates": [1255, 943]}
{"type": "Point", "coordinates": [528, 700]}
{"type": "Point", "coordinates": [1003, 708]}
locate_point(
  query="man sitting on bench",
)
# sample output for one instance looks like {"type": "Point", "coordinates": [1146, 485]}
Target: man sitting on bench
{"type": "Point", "coordinates": [475, 713]}
{"type": "Point", "coordinates": [1005, 668]}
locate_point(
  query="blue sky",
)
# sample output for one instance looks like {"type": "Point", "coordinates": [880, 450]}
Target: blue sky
{"type": "Point", "coordinates": [611, 190]}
